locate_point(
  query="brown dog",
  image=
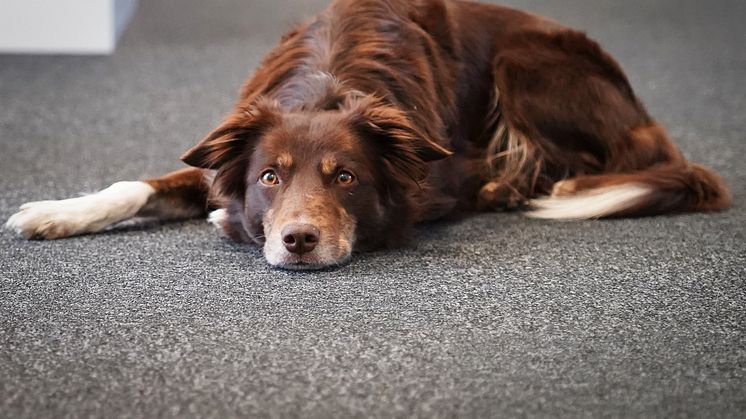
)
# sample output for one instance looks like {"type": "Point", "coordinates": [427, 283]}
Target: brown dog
{"type": "Point", "coordinates": [378, 114]}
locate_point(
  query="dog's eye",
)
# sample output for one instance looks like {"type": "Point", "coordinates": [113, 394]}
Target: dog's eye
{"type": "Point", "coordinates": [345, 178]}
{"type": "Point", "coordinates": [270, 178]}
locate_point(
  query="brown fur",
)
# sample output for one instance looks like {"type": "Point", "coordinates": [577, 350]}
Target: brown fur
{"type": "Point", "coordinates": [179, 195]}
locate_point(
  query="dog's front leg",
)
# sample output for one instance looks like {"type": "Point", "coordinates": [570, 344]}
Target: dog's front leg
{"type": "Point", "coordinates": [178, 195]}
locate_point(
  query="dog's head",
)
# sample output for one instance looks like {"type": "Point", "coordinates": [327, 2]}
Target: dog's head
{"type": "Point", "coordinates": [314, 185]}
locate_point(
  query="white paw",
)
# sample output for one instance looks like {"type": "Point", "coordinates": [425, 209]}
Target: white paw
{"type": "Point", "coordinates": [87, 214]}
{"type": "Point", "coordinates": [218, 218]}
{"type": "Point", "coordinates": [47, 219]}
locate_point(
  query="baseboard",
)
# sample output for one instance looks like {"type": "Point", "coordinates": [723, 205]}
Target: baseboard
{"type": "Point", "coordinates": [63, 26]}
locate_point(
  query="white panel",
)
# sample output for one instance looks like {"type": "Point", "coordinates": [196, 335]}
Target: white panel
{"type": "Point", "coordinates": [62, 26]}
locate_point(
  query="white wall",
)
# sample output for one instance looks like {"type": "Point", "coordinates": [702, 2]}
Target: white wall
{"type": "Point", "coordinates": [63, 26]}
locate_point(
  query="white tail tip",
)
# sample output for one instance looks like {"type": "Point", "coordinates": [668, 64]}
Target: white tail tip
{"type": "Point", "coordinates": [594, 203]}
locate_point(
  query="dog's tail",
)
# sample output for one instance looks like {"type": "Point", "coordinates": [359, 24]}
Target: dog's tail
{"type": "Point", "coordinates": [667, 188]}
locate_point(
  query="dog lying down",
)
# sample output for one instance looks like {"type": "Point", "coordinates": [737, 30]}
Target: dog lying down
{"type": "Point", "coordinates": [379, 114]}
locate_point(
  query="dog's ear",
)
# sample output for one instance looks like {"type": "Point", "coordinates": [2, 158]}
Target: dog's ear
{"type": "Point", "coordinates": [393, 134]}
{"type": "Point", "coordinates": [233, 137]}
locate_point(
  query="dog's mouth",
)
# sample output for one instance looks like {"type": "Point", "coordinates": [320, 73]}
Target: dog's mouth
{"type": "Point", "coordinates": [309, 262]}
{"type": "Point", "coordinates": [323, 256]}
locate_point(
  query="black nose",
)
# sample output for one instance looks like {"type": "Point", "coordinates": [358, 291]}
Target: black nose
{"type": "Point", "coordinates": [300, 238]}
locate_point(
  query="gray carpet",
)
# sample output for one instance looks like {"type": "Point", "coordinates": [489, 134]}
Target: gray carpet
{"type": "Point", "coordinates": [495, 315]}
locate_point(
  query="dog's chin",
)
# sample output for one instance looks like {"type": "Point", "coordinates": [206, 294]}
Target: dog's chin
{"type": "Point", "coordinates": [307, 262]}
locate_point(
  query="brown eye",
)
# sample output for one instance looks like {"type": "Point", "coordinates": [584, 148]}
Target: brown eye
{"type": "Point", "coordinates": [270, 178]}
{"type": "Point", "coordinates": [345, 178]}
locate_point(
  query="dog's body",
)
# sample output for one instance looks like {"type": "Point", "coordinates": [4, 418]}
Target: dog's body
{"type": "Point", "coordinates": [379, 114]}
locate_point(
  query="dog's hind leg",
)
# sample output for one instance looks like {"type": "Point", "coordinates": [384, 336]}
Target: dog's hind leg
{"type": "Point", "coordinates": [563, 109]}
{"type": "Point", "coordinates": [570, 124]}
{"type": "Point", "coordinates": [178, 195]}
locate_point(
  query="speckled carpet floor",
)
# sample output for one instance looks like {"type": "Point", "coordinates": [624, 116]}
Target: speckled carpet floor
{"type": "Point", "coordinates": [494, 315]}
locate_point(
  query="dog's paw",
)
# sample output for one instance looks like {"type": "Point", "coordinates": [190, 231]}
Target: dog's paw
{"type": "Point", "coordinates": [564, 188]}
{"type": "Point", "coordinates": [499, 196]}
{"type": "Point", "coordinates": [46, 220]}
{"type": "Point", "coordinates": [86, 214]}
{"type": "Point", "coordinates": [218, 218]}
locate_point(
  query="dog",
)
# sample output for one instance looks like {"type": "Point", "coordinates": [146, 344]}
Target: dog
{"type": "Point", "coordinates": [377, 115]}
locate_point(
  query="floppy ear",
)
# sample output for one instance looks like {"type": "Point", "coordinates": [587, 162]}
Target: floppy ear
{"type": "Point", "coordinates": [399, 142]}
{"type": "Point", "coordinates": [232, 138]}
